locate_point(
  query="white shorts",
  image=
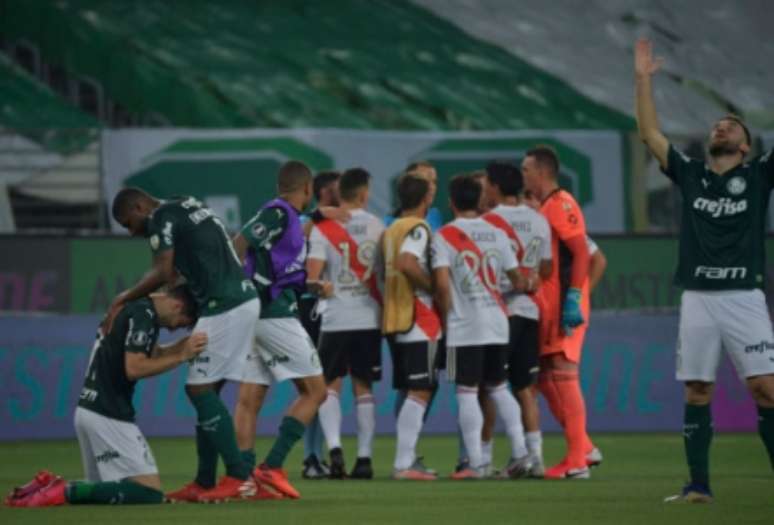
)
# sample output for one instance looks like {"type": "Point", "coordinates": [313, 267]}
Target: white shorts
{"type": "Point", "coordinates": [111, 450]}
{"type": "Point", "coordinates": [736, 320]}
{"type": "Point", "coordinates": [282, 350]}
{"type": "Point", "coordinates": [230, 337]}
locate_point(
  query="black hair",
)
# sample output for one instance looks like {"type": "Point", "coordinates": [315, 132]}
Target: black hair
{"type": "Point", "coordinates": [322, 180]}
{"type": "Point", "coordinates": [351, 181]}
{"type": "Point", "coordinates": [545, 156]}
{"type": "Point", "coordinates": [412, 190]}
{"type": "Point", "coordinates": [126, 199]}
{"type": "Point", "coordinates": [464, 192]}
{"type": "Point", "coordinates": [183, 293]}
{"type": "Point", "coordinates": [292, 176]}
{"type": "Point", "coordinates": [506, 177]}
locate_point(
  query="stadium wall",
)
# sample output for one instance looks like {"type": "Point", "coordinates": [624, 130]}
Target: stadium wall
{"type": "Point", "coordinates": [82, 275]}
{"type": "Point", "coordinates": [627, 378]}
{"type": "Point", "coordinates": [54, 291]}
{"type": "Point", "coordinates": [234, 170]}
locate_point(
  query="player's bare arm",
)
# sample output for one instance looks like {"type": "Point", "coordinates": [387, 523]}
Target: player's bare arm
{"type": "Point", "coordinates": [597, 266]}
{"type": "Point", "coordinates": [139, 365]}
{"type": "Point", "coordinates": [442, 295]}
{"type": "Point", "coordinates": [522, 283]}
{"type": "Point", "coordinates": [408, 265]}
{"type": "Point", "coordinates": [314, 269]}
{"type": "Point", "coordinates": [240, 246]}
{"type": "Point", "coordinates": [645, 66]}
{"type": "Point", "coordinates": [545, 268]}
{"type": "Point", "coordinates": [162, 272]}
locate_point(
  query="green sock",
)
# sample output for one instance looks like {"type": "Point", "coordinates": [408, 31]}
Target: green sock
{"type": "Point", "coordinates": [123, 492]}
{"type": "Point", "coordinates": [766, 430]}
{"type": "Point", "coordinates": [207, 454]}
{"type": "Point", "coordinates": [218, 428]}
{"type": "Point", "coordinates": [697, 436]}
{"type": "Point", "coordinates": [248, 458]}
{"type": "Point", "coordinates": [290, 431]}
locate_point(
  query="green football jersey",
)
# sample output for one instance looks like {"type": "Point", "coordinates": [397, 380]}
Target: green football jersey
{"type": "Point", "coordinates": [261, 232]}
{"type": "Point", "coordinates": [203, 255]}
{"type": "Point", "coordinates": [106, 389]}
{"type": "Point", "coordinates": [723, 222]}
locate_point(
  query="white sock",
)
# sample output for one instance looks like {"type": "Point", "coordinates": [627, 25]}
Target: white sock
{"type": "Point", "coordinates": [330, 419]}
{"type": "Point", "coordinates": [366, 425]}
{"type": "Point", "coordinates": [471, 422]}
{"type": "Point", "coordinates": [487, 451]}
{"type": "Point", "coordinates": [510, 413]}
{"type": "Point", "coordinates": [409, 427]}
{"type": "Point", "coordinates": [535, 443]}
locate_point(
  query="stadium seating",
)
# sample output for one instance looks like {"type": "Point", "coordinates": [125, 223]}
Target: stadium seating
{"type": "Point", "coordinates": [350, 64]}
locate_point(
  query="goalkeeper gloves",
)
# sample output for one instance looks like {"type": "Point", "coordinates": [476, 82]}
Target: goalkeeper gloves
{"type": "Point", "coordinates": [571, 310]}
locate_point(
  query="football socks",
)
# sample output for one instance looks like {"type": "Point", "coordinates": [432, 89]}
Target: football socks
{"type": "Point", "coordinates": [290, 431]}
{"type": "Point", "coordinates": [123, 492]}
{"type": "Point", "coordinates": [366, 424]}
{"type": "Point", "coordinates": [409, 426]}
{"type": "Point", "coordinates": [766, 430]}
{"type": "Point", "coordinates": [214, 419]}
{"type": "Point", "coordinates": [697, 436]}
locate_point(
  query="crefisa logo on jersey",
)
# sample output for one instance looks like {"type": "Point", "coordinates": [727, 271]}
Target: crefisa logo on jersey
{"type": "Point", "coordinates": [736, 186]}
{"type": "Point", "coordinates": [723, 207]}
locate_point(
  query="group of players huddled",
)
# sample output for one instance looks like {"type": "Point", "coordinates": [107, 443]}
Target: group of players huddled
{"type": "Point", "coordinates": [498, 298]}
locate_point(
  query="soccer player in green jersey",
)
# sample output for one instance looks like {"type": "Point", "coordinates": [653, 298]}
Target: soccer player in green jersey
{"type": "Point", "coordinates": [721, 269]}
{"type": "Point", "coordinates": [273, 245]}
{"type": "Point", "coordinates": [188, 240]}
{"type": "Point", "coordinates": [118, 463]}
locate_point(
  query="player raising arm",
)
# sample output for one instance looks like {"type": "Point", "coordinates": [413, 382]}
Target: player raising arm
{"type": "Point", "coordinates": [721, 269]}
{"type": "Point", "coordinates": [118, 464]}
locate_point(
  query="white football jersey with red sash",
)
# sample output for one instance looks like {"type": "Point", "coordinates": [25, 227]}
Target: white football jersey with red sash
{"type": "Point", "coordinates": [530, 236]}
{"type": "Point", "coordinates": [427, 324]}
{"type": "Point", "coordinates": [350, 253]}
{"type": "Point", "coordinates": [477, 255]}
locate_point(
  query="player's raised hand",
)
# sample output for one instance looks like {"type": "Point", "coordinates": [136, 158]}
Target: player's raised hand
{"type": "Point", "coordinates": [194, 345]}
{"type": "Point", "coordinates": [644, 63]}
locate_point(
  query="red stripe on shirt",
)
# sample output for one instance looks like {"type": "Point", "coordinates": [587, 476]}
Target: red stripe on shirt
{"type": "Point", "coordinates": [338, 235]}
{"type": "Point", "coordinates": [461, 242]}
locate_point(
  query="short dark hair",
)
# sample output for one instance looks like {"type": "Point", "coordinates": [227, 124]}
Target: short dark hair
{"type": "Point", "coordinates": [417, 164]}
{"type": "Point", "coordinates": [545, 156]}
{"type": "Point", "coordinates": [292, 176]}
{"type": "Point", "coordinates": [125, 199]}
{"type": "Point", "coordinates": [736, 118]}
{"type": "Point", "coordinates": [322, 180]}
{"type": "Point", "coordinates": [412, 189]}
{"type": "Point", "coordinates": [183, 293]}
{"type": "Point", "coordinates": [506, 177]}
{"type": "Point", "coordinates": [465, 192]}
{"type": "Point", "coordinates": [352, 181]}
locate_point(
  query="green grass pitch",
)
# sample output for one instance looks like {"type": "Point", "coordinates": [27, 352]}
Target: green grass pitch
{"type": "Point", "coordinates": [639, 470]}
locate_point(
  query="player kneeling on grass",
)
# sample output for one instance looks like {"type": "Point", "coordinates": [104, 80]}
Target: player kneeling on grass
{"type": "Point", "coordinates": [470, 258]}
{"type": "Point", "coordinates": [117, 461]}
{"type": "Point", "coordinates": [275, 248]}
